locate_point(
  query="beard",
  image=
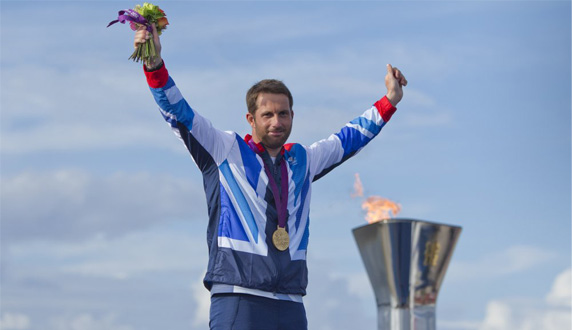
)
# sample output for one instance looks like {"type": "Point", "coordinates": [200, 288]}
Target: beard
{"type": "Point", "coordinates": [274, 142]}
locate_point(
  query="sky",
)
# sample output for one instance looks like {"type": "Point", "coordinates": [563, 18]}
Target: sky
{"type": "Point", "coordinates": [103, 216]}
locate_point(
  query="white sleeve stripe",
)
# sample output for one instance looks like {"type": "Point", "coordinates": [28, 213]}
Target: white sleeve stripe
{"type": "Point", "coordinates": [173, 95]}
{"type": "Point", "coordinates": [362, 130]}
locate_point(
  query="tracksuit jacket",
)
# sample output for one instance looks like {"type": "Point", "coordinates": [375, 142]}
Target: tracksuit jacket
{"type": "Point", "coordinates": [241, 208]}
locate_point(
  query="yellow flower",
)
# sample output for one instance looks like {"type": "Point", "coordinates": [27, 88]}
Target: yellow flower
{"type": "Point", "coordinates": [148, 6]}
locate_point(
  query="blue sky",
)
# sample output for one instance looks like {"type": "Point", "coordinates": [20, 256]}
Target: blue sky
{"type": "Point", "coordinates": [103, 214]}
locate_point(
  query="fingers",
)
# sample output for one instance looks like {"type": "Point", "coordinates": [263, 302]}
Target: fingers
{"type": "Point", "coordinates": [156, 36]}
{"type": "Point", "coordinates": [400, 77]}
{"type": "Point", "coordinates": [154, 29]}
{"type": "Point", "coordinates": [402, 80]}
{"type": "Point", "coordinates": [396, 73]}
{"type": "Point", "coordinates": [389, 69]}
{"type": "Point", "coordinates": [141, 36]}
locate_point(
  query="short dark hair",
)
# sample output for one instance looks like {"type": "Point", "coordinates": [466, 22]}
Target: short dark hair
{"type": "Point", "coordinates": [271, 86]}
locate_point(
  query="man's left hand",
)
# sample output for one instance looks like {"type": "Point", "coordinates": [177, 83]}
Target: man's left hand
{"type": "Point", "coordinates": [394, 81]}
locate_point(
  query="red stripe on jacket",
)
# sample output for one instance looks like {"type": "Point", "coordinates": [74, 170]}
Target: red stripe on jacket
{"type": "Point", "coordinates": [385, 108]}
{"type": "Point", "coordinates": [157, 78]}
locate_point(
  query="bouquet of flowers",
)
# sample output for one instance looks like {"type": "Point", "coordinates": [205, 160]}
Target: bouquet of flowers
{"type": "Point", "coordinates": [145, 16]}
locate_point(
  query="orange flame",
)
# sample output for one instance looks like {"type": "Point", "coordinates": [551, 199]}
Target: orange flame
{"type": "Point", "coordinates": [378, 208]}
{"type": "Point", "coordinates": [358, 187]}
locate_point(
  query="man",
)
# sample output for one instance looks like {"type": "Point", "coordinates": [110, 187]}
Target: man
{"type": "Point", "coordinates": [258, 193]}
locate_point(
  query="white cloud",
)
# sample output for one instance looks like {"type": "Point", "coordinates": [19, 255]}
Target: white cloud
{"type": "Point", "coordinates": [86, 321]}
{"type": "Point", "coordinates": [102, 105]}
{"type": "Point", "coordinates": [560, 294]}
{"type": "Point", "coordinates": [157, 249]}
{"type": "Point", "coordinates": [14, 321]}
{"type": "Point", "coordinates": [99, 109]}
{"type": "Point", "coordinates": [235, 26]}
{"type": "Point", "coordinates": [141, 253]}
{"type": "Point", "coordinates": [78, 136]}
{"type": "Point", "coordinates": [519, 314]}
{"type": "Point", "coordinates": [106, 283]}
{"type": "Point", "coordinates": [498, 316]}
{"type": "Point", "coordinates": [73, 204]}
{"type": "Point", "coordinates": [203, 300]}
{"type": "Point", "coordinates": [512, 260]}
{"type": "Point", "coordinates": [359, 284]}
{"type": "Point", "coordinates": [335, 300]}
{"type": "Point", "coordinates": [553, 313]}
{"type": "Point", "coordinates": [457, 325]}
{"type": "Point", "coordinates": [81, 99]}
{"type": "Point", "coordinates": [503, 315]}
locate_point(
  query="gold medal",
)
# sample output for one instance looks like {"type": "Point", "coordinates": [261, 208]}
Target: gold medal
{"type": "Point", "coordinates": [281, 239]}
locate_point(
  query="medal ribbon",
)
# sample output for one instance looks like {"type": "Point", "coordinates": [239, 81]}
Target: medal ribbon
{"type": "Point", "coordinates": [280, 198]}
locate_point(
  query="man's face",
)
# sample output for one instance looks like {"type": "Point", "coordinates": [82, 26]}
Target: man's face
{"type": "Point", "coordinates": [272, 122]}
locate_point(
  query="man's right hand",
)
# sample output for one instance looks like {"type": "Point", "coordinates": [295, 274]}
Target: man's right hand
{"type": "Point", "coordinates": [141, 36]}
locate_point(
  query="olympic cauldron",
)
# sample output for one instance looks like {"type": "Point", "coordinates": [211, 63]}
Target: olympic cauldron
{"type": "Point", "coordinates": [406, 261]}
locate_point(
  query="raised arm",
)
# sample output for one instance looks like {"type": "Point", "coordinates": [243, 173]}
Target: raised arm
{"type": "Point", "coordinates": [329, 153]}
{"type": "Point", "coordinates": [207, 145]}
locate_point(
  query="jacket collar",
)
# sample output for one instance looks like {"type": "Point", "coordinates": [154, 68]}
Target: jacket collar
{"type": "Point", "coordinates": [258, 147]}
